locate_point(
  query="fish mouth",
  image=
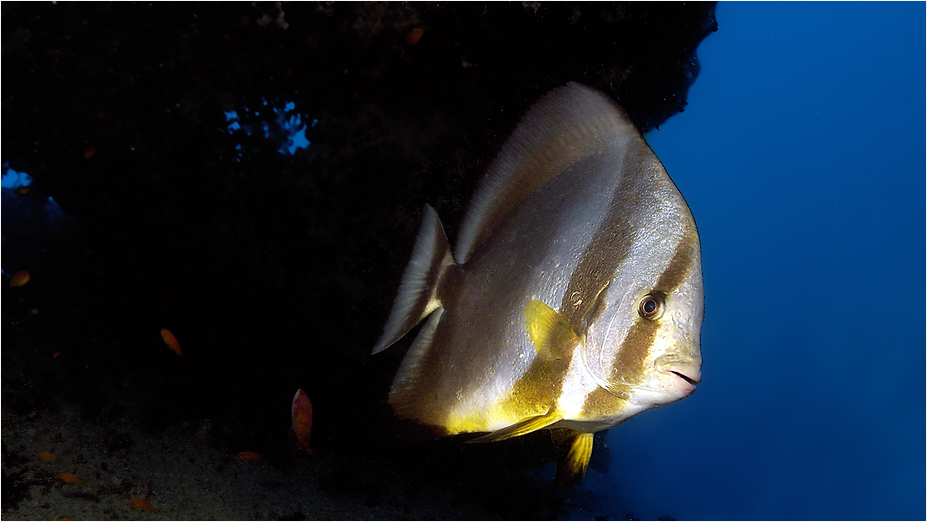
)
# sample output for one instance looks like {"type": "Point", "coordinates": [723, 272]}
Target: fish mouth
{"type": "Point", "coordinates": [688, 371]}
{"type": "Point", "coordinates": [684, 377]}
{"type": "Point", "coordinates": [684, 380]}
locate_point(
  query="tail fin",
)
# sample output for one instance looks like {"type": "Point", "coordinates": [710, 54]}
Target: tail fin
{"type": "Point", "coordinates": [416, 298]}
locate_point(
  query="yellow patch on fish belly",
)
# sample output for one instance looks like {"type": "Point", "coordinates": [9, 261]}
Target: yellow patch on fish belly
{"type": "Point", "coordinates": [523, 427]}
{"type": "Point", "coordinates": [505, 412]}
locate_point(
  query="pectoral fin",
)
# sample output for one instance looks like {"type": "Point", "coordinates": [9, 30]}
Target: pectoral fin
{"type": "Point", "coordinates": [552, 335]}
{"type": "Point", "coordinates": [574, 449]}
{"type": "Point", "coordinates": [520, 428]}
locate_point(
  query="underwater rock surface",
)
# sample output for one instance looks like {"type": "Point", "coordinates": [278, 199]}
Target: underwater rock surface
{"type": "Point", "coordinates": [273, 264]}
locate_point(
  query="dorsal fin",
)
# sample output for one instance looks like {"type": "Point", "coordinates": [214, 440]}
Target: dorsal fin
{"type": "Point", "coordinates": [568, 124]}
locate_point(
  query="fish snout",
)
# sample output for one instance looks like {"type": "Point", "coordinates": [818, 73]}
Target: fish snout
{"type": "Point", "coordinates": [690, 374]}
{"type": "Point", "coordinates": [686, 374]}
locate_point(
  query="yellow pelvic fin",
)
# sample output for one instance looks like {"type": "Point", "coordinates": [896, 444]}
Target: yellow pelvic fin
{"type": "Point", "coordinates": [521, 427]}
{"type": "Point", "coordinates": [574, 449]}
{"type": "Point", "coordinates": [552, 336]}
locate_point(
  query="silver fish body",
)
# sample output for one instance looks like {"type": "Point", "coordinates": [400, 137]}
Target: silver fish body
{"type": "Point", "coordinates": [574, 298]}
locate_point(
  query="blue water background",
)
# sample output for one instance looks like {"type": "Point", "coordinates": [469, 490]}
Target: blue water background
{"type": "Point", "coordinates": [802, 157]}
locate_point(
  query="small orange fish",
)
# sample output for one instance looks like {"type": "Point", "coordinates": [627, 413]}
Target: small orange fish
{"type": "Point", "coordinates": [141, 504]}
{"type": "Point", "coordinates": [302, 420]}
{"type": "Point", "coordinates": [56, 354]}
{"type": "Point", "coordinates": [250, 455]}
{"type": "Point", "coordinates": [171, 341]}
{"type": "Point", "coordinates": [90, 152]}
{"type": "Point", "coordinates": [47, 457]}
{"type": "Point", "coordinates": [22, 191]}
{"type": "Point", "coordinates": [416, 35]}
{"type": "Point", "coordinates": [19, 278]}
{"type": "Point", "coordinates": [70, 478]}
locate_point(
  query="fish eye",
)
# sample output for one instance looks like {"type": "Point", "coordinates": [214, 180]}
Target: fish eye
{"type": "Point", "coordinates": [652, 306]}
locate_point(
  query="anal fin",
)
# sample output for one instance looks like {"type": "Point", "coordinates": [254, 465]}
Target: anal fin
{"type": "Point", "coordinates": [520, 428]}
{"type": "Point", "coordinates": [404, 393]}
{"type": "Point", "coordinates": [574, 449]}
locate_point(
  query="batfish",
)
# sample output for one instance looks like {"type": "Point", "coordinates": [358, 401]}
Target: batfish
{"type": "Point", "coordinates": [573, 299]}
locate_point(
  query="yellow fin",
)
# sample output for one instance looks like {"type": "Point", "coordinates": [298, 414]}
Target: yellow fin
{"type": "Point", "coordinates": [552, 336]}
{"type": "Point", "coordinates": [521, 427]}
{"type": "Point", "coordinates": [574, 450]}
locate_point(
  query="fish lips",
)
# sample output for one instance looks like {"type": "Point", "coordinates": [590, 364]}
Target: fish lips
{"type": "Point", "coordinates": [686, 375]}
